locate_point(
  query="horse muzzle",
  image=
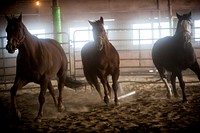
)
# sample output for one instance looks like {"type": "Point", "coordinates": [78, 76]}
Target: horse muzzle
{"type": "Point", "coordinates": [10, 48]}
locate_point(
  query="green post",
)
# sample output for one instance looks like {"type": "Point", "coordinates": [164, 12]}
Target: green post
{"type": "Point", "coordinates": [56, 21]}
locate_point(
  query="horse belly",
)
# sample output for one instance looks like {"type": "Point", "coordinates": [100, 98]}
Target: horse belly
{"type": "Point", "coordinates": [28, 74]}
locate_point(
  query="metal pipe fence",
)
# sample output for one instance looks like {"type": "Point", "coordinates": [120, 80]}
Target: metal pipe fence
{"type": "Point", "coordinates": [135, 54]}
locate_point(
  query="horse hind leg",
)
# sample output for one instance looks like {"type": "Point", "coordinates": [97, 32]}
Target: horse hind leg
{"type": "Point", "coordinates": [51, 91]}
{"type": "Point", "coordinates": [182, 85]}
{"type": "Point", "coordinates": [18, 84]}
{"type": "Point", "coordinates": [60, 89]}
{"type": "Point", "coordinates": [195, 68]}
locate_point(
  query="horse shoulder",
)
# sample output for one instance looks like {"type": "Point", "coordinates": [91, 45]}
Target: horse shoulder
{"type": "Point", "coordinates": [88, 53]}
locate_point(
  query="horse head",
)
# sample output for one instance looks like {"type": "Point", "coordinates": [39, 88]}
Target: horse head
{"type": "Point", "coordinates": [185, 26]}
{"type": "Point", "coordinates": [15, 33]}
{"type": "Point", "coordinates": [99, 33]}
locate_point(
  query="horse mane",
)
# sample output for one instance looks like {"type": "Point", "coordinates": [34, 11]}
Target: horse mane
{"type": "Point", "coordinates": [180, 18]}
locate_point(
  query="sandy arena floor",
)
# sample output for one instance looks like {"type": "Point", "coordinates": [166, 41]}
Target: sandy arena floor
{"type": "Point", "coordinates": [148, 110]}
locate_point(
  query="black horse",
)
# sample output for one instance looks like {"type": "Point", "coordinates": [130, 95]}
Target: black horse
{"type": "Point", "coordinates": [100, 59]}
{"type": "Point", "coordinates": [38, 61]}
{"type": "Point", "coordinates": [175, 54]}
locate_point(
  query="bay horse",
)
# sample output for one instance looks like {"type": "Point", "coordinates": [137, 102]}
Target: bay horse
{"type": "Point", "coordinates": [175, 54]}
{"type": "Point", "coordinates": [38, 61]}
{"type": "Point", "coordinates": [100, 59]}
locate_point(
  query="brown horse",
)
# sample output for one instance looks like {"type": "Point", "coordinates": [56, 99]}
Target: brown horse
{"type": "Point", "coordinates": [100, 59]}
{"type": "Point", "coordinates": [38, 61]}
{"type": "Point", "coordinates": [175, 54]}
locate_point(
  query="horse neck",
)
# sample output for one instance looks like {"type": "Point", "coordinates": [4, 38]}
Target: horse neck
{"type": "Point", "coordinates": [178, 32]}
{"type": "Point", "coordinates": [106, 44]}
{"type": "Point", "coordinates": [179, 35]}
{"type": "Point", "coordinates": [28, 44]}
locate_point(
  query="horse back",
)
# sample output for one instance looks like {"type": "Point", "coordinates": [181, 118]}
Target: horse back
{"type": "Point", "coordinates": [54, 54]}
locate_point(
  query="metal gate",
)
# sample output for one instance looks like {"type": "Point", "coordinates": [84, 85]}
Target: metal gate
{"type": "Point", "coordinates": [135, 55]}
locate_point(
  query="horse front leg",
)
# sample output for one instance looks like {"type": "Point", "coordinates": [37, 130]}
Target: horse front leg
{"type": "Point", "coordinates": [164, 79]}
{"type": "Point", "coordinates": [97, 86]}
{"type": "Point", "coordinates": [182, 85]}
{"type": "Point", "coordinates": [115, 85]}
{"type": "Point", "coordinates": [18, 84]}
{"type": "Point", "coordinates": [109, 89]}
{"type": "Point", "coordinates": [104, 81]}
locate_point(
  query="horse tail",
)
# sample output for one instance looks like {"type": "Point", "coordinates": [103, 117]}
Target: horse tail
{"type": "Point", "coordinates": [73, 83]}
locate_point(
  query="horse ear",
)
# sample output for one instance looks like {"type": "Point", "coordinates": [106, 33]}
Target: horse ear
{"type": "Point", "coordinates": [7, 18]}
{"type": "Point", "coordinates": [178, 16]}
{"type": "Point", "coordinates": [91, 23]}
{"type": "Point", "coordinates": [190, 14]}
{"type": "Point", "coordinates": [20, 17]}
{"type": "Point", "coordinates": [101, 20]}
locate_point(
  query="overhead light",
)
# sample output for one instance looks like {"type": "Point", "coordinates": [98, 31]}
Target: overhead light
{"type": "Point", "coordinates": [109, 20]}
{"type": "Point", "coordinates": [37, 3]}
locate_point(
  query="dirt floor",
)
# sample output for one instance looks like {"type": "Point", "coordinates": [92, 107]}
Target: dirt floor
{"type": "Point", "coordinates": [147, 111]}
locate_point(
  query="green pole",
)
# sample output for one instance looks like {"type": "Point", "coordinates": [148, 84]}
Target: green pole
{"type": "Point", "coordinates": [56, 21]}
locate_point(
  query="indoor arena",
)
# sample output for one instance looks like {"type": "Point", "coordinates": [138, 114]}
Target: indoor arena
{"type": "Point", "coordinates": [99, 66]}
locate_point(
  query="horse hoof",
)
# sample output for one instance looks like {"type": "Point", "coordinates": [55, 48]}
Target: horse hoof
{"type": "Point", "coordinates": [38, 120]}
{"type": "Point", "coordinates": [61, 108]}
{"type": "Point", "coordinates": [185, 101]}
{"type": "Point", "coordinates": [117, 103]}
{"type": "Point", "coordinates": [176, 96]}
{"type": "Point", "coordinates": [169, 95]}
{"type": "Point", "coordinates": [17, 116]}
{"type": "Point", "coordinates": [106, 100]}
